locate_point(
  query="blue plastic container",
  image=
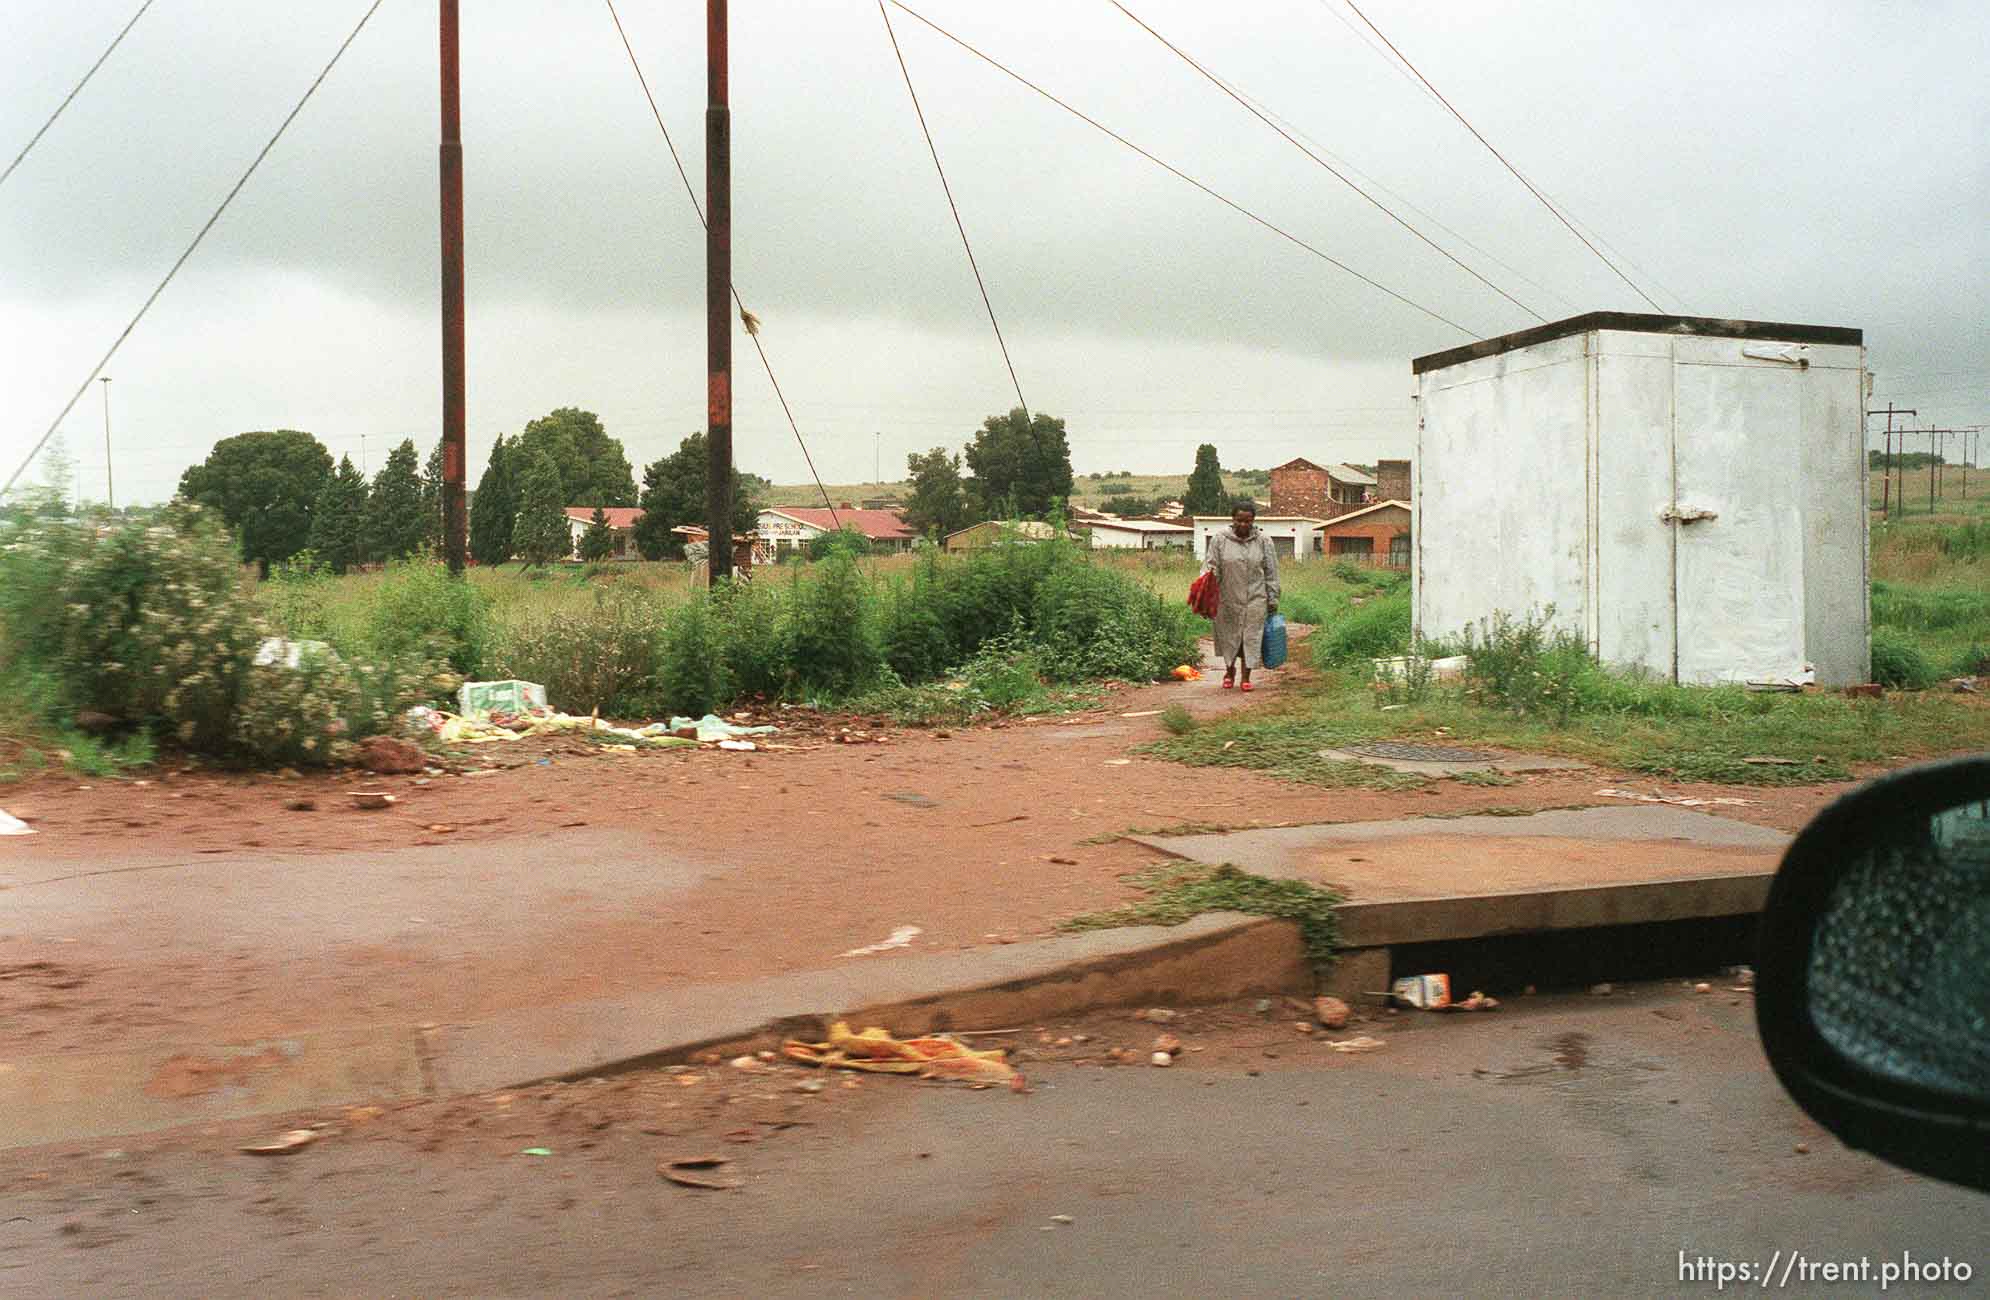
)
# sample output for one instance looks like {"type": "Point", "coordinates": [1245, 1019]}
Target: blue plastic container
{"type": "Point", "coordinates": [1273, 649]}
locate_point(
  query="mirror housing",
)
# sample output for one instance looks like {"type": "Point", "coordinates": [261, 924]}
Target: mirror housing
{"type": "Point", "coordinates": [1930, 1130]}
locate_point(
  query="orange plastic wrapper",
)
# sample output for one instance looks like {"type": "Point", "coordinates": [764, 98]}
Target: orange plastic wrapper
{"type": "Point", "coordinates": [876, 1051]}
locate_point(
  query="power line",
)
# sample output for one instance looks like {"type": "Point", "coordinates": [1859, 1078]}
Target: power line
{"type": "Point", "coordinates": [311, 90]}
{"type": "Point", "coordinates": [958, 225]}
{"type": "Point", "coordinates": [1502, 157]}
{"type": "Point", "coordinates": [1179, 174]}
{"type": "Point", "coordinates": [746, 317]}
{"type": "Point", "coordinates": [1335, 172]}
{"type": "Point", "coordinates": [32, 140]}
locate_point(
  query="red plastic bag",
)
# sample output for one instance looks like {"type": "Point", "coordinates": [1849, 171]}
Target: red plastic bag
{"type": "Point", "coordinates": [1202, 595]}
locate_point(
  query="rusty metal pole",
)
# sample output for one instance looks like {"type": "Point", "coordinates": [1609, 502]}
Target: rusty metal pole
{"type": "Point", "coordinates": [453, 523]}
{"type": "Point", "coordinates": [718, 298]}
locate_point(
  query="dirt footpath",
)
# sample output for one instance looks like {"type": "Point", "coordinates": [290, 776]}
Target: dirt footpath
{"type": "Point", "coordinates": [195, 907]}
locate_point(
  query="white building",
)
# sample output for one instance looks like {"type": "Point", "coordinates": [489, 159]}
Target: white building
{"type": "Point", "coordinates": [1294, 537]}
{"type": "Point", "coordinates": [622, 522]}
{"type": "Point", "coordinates": [1689, 494]}
{"type": "Point", "coordinates": [790, 528]}
{"type": "Point", "coordinates": [1138, 534]}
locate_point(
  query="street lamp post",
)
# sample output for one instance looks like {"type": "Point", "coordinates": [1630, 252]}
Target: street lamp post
{"type": "Point", "coordinates": [110, 492]}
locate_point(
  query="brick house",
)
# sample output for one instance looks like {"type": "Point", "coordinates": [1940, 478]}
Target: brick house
{"type": "Point", "coordinates": [1373, 534]}
{"type": "Point", "coordinates": [1392, 480]}
{"type": "Point", "coordinates": [1301, 488]}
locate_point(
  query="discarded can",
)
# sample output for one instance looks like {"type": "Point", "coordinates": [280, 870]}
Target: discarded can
{"type": "Point", "coordinates": [1431, 992]}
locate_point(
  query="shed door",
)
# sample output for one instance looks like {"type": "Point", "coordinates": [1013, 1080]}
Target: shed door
{"type": "Point", "coordinates": [1737, 526]}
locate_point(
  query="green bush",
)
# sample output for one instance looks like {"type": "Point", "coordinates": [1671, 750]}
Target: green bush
{"type": "Point", "coordinates": [916, 643]}
{"type": "Point", "coordinates": [1528, 665]}
{"type": "Point", "coordinates": [1093, 622]}
{"type": "Point", "coordinates": [313, 712]}
{"type": "Point", "coordinates": [1004, 675]}
{"type": "Point", "coordinates": [1898, 662]}
{"type": "Point", "coordinates": [754, 618]}
{"type": "Point", "coordinates": [843, 541]}
{"type": "Point", "coordinates": [691, 659]}
{"type": "Point", "coordinates": [832, 633]}
{"type": "Point", "coordinates": [604, 657]}
{"type": "Point", "coordinates": [1379, 629]}
{"type": "Point", "coordinates": [421, 610]}
{"type": "Point", "coordinates": [149, 624]}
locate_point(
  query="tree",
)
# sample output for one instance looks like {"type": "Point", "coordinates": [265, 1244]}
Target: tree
{"type": "Point", "coordinates": [431, 499]}
{"type": "Point", "coordinates": [494, 509]}
{"type": "Point", "coordinates": [396, 524]}
{"type": "Point", "coordinates": [598, 542]}
{"type": "Point", "coordinates": [674, 493]}
{"type": "Point", "coordinates": [263, 485]}
{"type": "Point", "coordinates": [594, 470]}
{"type": "Point", "coordinates": [340, 519]}
{"type": "Point", "coordinates": [1205, 495]}
{"type": "Point", "coordinates": [937, 505]}
{"type": "Point", "coordinates": [1021, 462]}
{"type": "Point", "coordinates": [541, 534]}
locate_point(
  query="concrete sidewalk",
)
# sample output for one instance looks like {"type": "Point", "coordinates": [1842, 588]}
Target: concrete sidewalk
{"type": "Point", "coordinates": [1211, 958]}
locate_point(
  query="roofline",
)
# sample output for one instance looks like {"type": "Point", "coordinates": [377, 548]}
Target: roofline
{"type": "Point", "coordinates": [1263, 519]}
{"type": "Point", "coordinates": [1366, 510]}
{"type": "Point", "coordinates": [903, 529]}
{"type": "Point", "coordinates": [1704, 326]}
{"type": "Point", "coordinates": [1142, 525]}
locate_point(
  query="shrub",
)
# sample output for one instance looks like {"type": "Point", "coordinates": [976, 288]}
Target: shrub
{"type": "Point", "coordinates": [916, 644]}
{"type": "Point", "coordinates": [1094, 622]}
{"type": "Point", "coordinates": [604, 657]}
{"type": "Point", "coordinates": [1178, 720]}
{"type": "Point", "coordinates": [1528, 665]}
{"type": "Point", "coordinates": [1379, 629]}
{"type": "Point", "coordinates": [313, 712]}
{"type": "Point", "coordinates": [753, 617]}
{"type": "Point", "coordinates": [843, 541]}
{"type": "Point", "coordinates": [691, 668]}
{"type": "Point", "coordinates": [1003, 675]}
{"type": "Point", "coordinates": [147, 624]}
{"type": "Point", "coordinates": [421, 610]}
{"type": "Point", "coordinates": [832, 635]}
{"type": "Point", "coordinates": [1898, 662]}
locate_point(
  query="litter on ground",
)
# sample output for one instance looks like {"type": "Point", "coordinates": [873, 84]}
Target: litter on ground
{"type": "Point", "coordinates": [11, 825]}
{"type": "Point", "coordinates": [900, 938]}
{"type": "Point", "coordinates": [1684, 801]}
{"type": "Point", "coordinates": [876, 1051]}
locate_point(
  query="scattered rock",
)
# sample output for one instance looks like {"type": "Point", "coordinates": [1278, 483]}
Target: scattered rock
{"type": "Point", "coordinates": [302, 805]}
{"type": "Point", "coordinates": [94, 722]}
{"type": "Point", "coordinates": [1168, 1043]}
{"type": "Point", "coordinates": [1803, 1148]}
{"type": "Point", "coordinates": [1161, 1058]}
{"type": "Point", "coordinates": [372, 799]}
{"type": "Point", "coordinates": [1156, 1016]}
{"type": "Point", "coordinates": [284, 1143]}
{"type": "Point", "coordinates": [1062, 1218]}
{"type": "Point", "coordinates": [750, 1064]}
{"type": "Point", "coordinates": [1601, 990]}
{"type": "Point", "coordinates": [809, 1086]}
{"type": "Point", "coordinates": [1332, 1013]}
{"type": "Point", "coordinates": [1302, 1026]}
{"type": "Point", "coordinates": [1264, 1006]}
{"type": "Point", "coordinates": [392, 756]}
{"type": "Point", "coordinates": [1703, 987]}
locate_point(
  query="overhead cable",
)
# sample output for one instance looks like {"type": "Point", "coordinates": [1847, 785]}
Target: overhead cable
{"type": "Point", "coordinates": [958, 225]}
{"type": "Point", "coordinates": [82, 388]}
{"type": "Point", "coordinates": [1476, 135]}
{"type": "Point", "coordinates": [1332, 170]}
{"type": "Point", "coordinates": [746, 317]}
{"type": "Point", "coordinates": [77, 90]}
{"type": "Point", "coordinates": [1179, 174]}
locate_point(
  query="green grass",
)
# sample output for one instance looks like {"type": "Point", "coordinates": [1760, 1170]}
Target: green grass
{"type": "Point", "coordinates": [1180, 891]}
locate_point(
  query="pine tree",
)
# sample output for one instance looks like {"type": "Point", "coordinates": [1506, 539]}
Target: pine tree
{"type": "Point", "coordinates": [494, 509]}
{"type": "Point", "coordinates": [598, 542]}
{"type": "Point", "coordinates": [339, 519]}
{"type": "Point", "coordinates": [431, 499]}
{"type": "Point", "coordinates": [1205, 494]}
{"type": "Point", "coordinates": [541, 534]}
{"type": "Point", "coordinates": [397, 523]}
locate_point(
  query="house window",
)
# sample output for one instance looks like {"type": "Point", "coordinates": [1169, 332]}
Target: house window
{"type": "Point", "coordinates": [1399, 549]}
{"type": "Point", "coordinates": [1282, 547]}
{"type": "Point", "coordinates": [1351, 546]}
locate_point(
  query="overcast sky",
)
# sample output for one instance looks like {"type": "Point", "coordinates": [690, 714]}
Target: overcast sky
{"type": "Point", "coordinates": [1800, 162]}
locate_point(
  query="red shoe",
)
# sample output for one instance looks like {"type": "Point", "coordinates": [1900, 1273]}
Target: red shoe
{"type": "Point", "coordinates": [1229, 680]}
{"type": "Point", "coordinates": [1246, 687]}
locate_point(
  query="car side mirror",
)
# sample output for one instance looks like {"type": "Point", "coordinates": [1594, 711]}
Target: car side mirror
{"type": "Point", "coordinates": [1873, 977]}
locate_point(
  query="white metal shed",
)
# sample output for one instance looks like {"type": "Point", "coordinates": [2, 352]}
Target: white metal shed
{"type": "Point", "coordinates": [1688, 493]}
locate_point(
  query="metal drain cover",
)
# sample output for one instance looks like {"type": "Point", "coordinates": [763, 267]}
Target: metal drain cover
{"type": "Point", "coordinates": [1405, 752]}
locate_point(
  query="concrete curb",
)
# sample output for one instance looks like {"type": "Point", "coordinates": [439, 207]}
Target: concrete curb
{"type": "Point", "coordinates": [1208, 959]}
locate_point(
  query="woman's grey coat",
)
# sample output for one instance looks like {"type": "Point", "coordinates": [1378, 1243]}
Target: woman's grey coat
{"type": "Point", "coordinates": [1247, 586]}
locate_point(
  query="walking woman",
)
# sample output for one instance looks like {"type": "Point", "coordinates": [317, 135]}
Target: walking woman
{"type": "Point", "coordinates": [1246, 569]}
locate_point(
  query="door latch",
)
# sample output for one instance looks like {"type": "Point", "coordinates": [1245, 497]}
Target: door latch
{"type": "Point", "coordinates": [1675, 514]}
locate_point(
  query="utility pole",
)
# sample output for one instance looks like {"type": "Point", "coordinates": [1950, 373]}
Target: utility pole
{"type": "Point", "coordinates": [718, 298]}
{"type": "Point", "coordinates": [877, 468]}
{"type": "Point", "coordinates": [110, 493]}
{"type": "Point", "coordinates": [1886, 492]}
{"type": "Point", "coordinates": [451, 157]}
{"type": "Point", "coordinates": [362, 455]}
